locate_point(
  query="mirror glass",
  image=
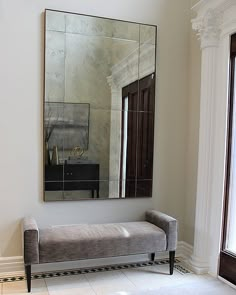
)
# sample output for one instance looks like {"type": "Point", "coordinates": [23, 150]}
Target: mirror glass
{"type": "Point", "coordinates": [99, 101]}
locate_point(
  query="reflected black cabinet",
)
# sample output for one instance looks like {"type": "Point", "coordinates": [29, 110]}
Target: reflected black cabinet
{"type": "Point", "coordinates": [72, 177]}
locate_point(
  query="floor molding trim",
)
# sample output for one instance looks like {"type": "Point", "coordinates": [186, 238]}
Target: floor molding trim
{"type": "Point", "coordinates": [42, 275]}
{"type": "Point", "coordinates": [197, 266]}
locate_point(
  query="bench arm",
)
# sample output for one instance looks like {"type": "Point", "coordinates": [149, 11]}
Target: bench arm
{"type": "Point", "coordinates": [31, 241]}
{"type": "Point", "coordinates": [166, 223]}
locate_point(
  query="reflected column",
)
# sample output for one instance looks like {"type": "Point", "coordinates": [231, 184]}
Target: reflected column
{"type": "Point", "coordinates": [115, 139]}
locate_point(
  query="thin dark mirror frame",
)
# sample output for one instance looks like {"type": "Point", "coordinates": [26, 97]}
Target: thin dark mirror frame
{"type": "Point", "coordinates": [138, 81]}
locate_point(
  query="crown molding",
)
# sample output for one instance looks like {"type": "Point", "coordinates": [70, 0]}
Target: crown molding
{"type": "Point", "coordinates": [128, 70]}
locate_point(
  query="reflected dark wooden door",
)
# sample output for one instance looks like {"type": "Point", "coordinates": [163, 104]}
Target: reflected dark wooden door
{"type": "Point", "coordinates": [145, 140]}
{"type": "Point", "coordinates": [137, 142]}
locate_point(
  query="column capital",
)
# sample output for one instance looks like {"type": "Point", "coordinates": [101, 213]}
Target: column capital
{"type": "Point", "coordinates": [208, 28]}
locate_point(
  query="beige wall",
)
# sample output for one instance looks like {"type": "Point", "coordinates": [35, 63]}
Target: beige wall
{"type": "Point", "coordinates": [21, 74]}
{"type": "Point", "coordinates": [172, 108]}
{"type": "Point", "coordinates": [192, 135]}
{"type": "Point", "coordinates": [193, 2]}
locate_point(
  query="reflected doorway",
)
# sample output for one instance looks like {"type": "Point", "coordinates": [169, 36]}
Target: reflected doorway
{"type": "Point", "coordinates": [137, 138]}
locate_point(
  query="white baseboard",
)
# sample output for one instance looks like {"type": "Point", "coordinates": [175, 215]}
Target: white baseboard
{"type": "Point", "coordinates": [13, 266]}
{"type": "Point", "coordinates": [184, 250]}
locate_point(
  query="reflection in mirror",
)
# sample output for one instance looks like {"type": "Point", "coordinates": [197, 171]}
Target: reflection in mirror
{"type": "Point", "coordinates": [98, 107]}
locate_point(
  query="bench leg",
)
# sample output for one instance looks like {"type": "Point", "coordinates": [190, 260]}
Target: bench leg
{"type": "Point", "coordinates": [172, 261]}
{"type": "Point", "coordinates": [28, 277]}
{"type": "Point", "coordinates": [152, 256]}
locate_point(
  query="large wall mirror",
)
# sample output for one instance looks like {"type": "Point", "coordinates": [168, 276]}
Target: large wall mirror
{"type": "Point", "coordinates": [98, 107]}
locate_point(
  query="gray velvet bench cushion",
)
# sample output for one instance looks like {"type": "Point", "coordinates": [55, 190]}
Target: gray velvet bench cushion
{"type": "Point", "coordinates": [84, 241]}
{"type": "Point", "coordinates": [73, 242]}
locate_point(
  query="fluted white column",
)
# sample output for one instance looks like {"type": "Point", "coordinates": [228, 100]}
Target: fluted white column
{"type": "Point", "coordinates": [208, 30]}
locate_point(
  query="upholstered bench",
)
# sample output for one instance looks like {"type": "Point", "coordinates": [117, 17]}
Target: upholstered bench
{"type": "Point", "coordinates": [85, 241]}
